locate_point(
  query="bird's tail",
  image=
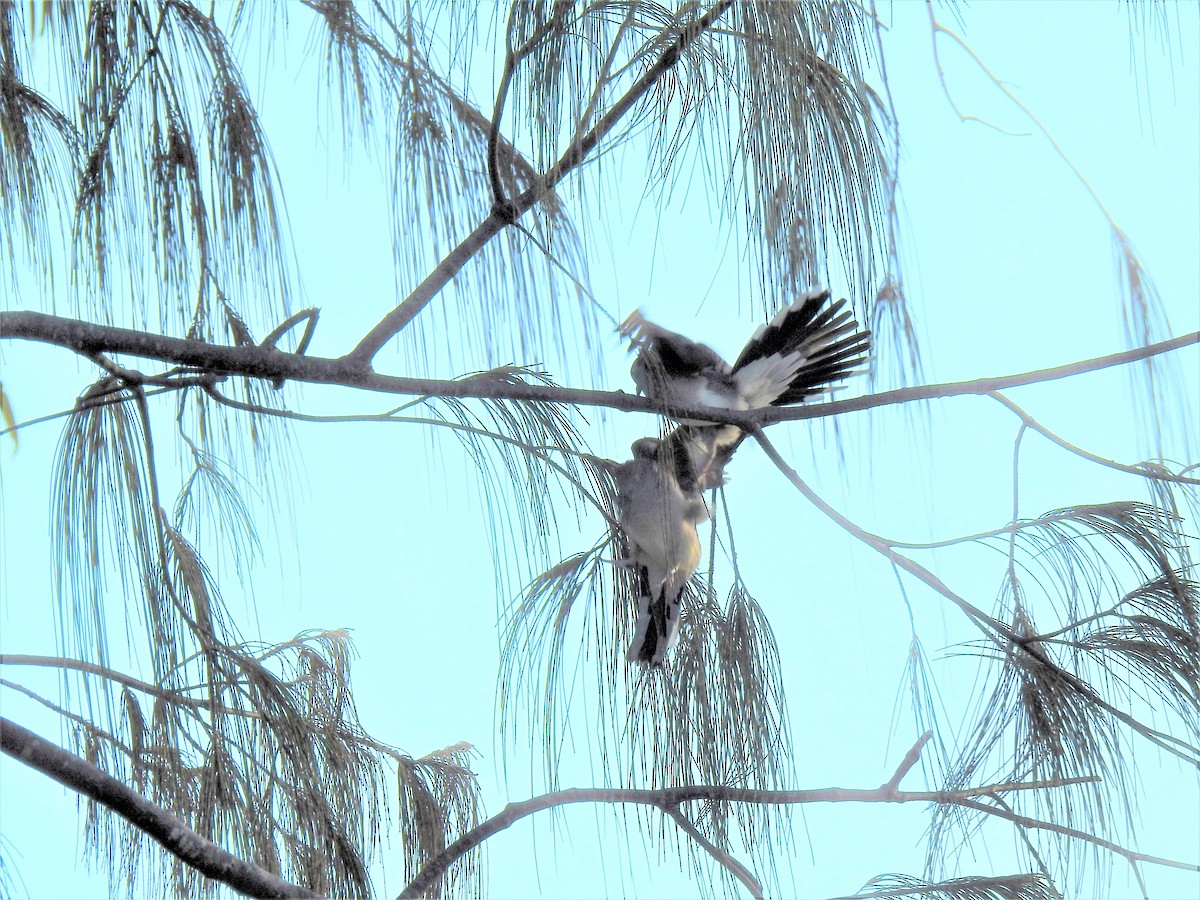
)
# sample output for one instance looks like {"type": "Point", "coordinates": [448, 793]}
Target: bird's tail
{"type": "Point", "coordinates": [657, 627]}
{"type": "Point", "coordinates": [805, 350]}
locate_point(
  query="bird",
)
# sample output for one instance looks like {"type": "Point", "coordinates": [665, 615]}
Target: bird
{"type": "Point", "coordinates": [698, 454]}
{"type": "Point", "coordinates": [803, 351]}
{"type": "Point", "coordinates": [658, 518]}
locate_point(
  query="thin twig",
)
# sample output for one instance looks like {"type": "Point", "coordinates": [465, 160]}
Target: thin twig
{"type": "Point", "coordinates": [308, 316]}
{"type": "Point", "coordinates": [513, 57]}
{"type": "Point", "coordinates": [538, 452]}
{"type": "Point", "coordinates": [991, 626]}
{"type": "Point", "coordinates": [735, 868]}
{"type": "Point", "coordinates": [85, 725]}
{"type": "Point", "coordinates": [493, 135]}
{"type": "Point", "coordinates": [935, 29]}
{"type": "Point", "coordinates": [979, 536]}
{"type": "Point", "coordinates": [939, 29]}
{"type": "Point", "coordinates": [61, 662]}
{"type": "Point", "coordinates": [1079, 451]}
{"type": "Point", "coordinates": [1132, 856]}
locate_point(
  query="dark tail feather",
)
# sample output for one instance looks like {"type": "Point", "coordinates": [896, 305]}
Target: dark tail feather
{"type": "Point", "coordinates": [828, 337]}
{"type": "Point", "coordinates": [789, 327]}
{"type": "Point", "coordinates": [827, 368]}
{"type": "Point", "coordinates": [657, 622]}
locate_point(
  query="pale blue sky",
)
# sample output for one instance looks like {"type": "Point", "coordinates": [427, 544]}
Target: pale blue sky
{"type": "Point", "coordinates": [1009, 268]}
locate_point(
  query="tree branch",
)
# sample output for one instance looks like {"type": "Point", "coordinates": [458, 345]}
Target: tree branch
{"type": "Point", "coordinates": [391, 324]}
{"type": "Point", "coordinates": [937, 29]}
{"type": "Point", "coordinates": [668, 799]}
{"type": "Point", "coordinates": [740, 872]}
{"type": "Point", "coordinates": [671, 798]}
{"type": "Point", "coordinates": [62, 662]}
{"type": "Point", "coordinates": [1132, 856]}
{"type": "Point", "coordinates": [1049, 435]}
{"type": "Point", "coordinates": [910, 760]}
{"type": "Point", "coordinates": [273, 364]}
{"type": "Point", "coordinates": [176, 837]}
{"type": "Point", "coordinates": [976, 386]}
{"type": "Point", "coordinates": [541, 453]}
{"type": "Point", "coordinates": [992, 628]}
{"type": "Point", "coordinates": [990, 625]}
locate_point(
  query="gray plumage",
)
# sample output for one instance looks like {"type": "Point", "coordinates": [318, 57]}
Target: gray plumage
{"type": "Point", "coordinates": [658, 518]}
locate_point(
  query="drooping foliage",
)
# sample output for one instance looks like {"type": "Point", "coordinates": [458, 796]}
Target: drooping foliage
{"type": "Point", "coordinates": [138, 187]}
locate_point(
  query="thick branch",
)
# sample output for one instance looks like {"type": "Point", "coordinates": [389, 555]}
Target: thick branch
{"type": "Point", "coordinates": [500, 216]}
{"type": "Point", "coordinates": [195, 851]}
{"type": "Point", "coordinates": [272, 364]}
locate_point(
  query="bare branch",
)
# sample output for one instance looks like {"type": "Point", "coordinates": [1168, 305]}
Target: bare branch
{"type": "Point", "coordinates": [910, 760]}
{"type": "Point", "coordinates": [990, 625]}
{"type": "Point", "coordinates": [541, 452]}
{"type": "Point", "coordinates": [273, 364]}
{"type": "Point", "coordinates": [740, 872]}
{"type": "Point", "coordinates": [176, 837]}
{"type": "Point", "coordinates": [976, 386]}
{"type": "Point", "coordinates": [671, 798]}
{"type": "Point", "coordinates": [62, 662]}
{"type": "Point", "coordinates": [939, 29]}
{"type": "Point", "coordinates": [1131, 856]}
{"type": "Point", "coordinates": [992, 628]}
{"type": "Point", "coordinates": [1045, 432]}
{"type": "Point", "coordinates": [501, 215]}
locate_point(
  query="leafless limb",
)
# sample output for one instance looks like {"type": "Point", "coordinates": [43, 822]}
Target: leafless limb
{"type": "Point", "coordinates": [62, 662]}
{"type": "Point", "coordinates": [725, 859]}
{"type": "Point", "coordinates": [991, 626]}
{"type": "Point", "coordinates": [910, 759]}
{"type": "Point", "coordinates": [1144, 316]}
{"type": "Point", "coordinates": [1004, 637]}
{"type": "Point", "coordinates": [272, 364]}
{"type": "Point", "coordinates": [670, 799]}
{"type": "Point", "coordinates": [542, 453]}
{"type": "Point", "coordinates": [938, 29]}
{"type": "Point", "coordinates": [1130, 856]}
{"type": "Point", "coordinates": [1045, 432]}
